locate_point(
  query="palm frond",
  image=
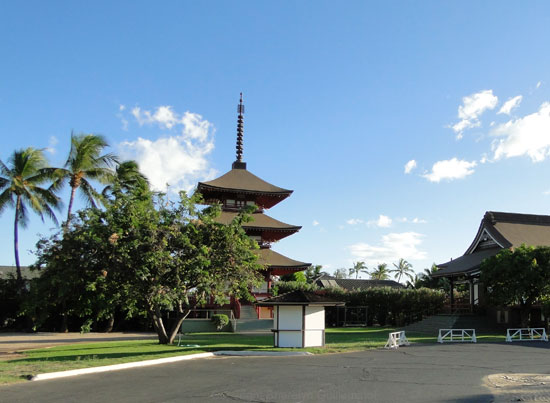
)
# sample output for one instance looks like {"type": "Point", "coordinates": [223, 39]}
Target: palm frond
{"type": "Point", "coordinates": [89, 194]}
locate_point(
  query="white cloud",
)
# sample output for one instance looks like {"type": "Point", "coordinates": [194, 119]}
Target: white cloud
{"type": "Point", "coordinates": [539, 84]}
{"type": "Point", "coordinates": [315, 223]}
{"type": "Point", "coordinates": [384, 221]}
{"type": "Point", "coordinates": [179, 160]}
{"type": "Point", "coordinates": [415, 220]}
{"type": "Point", "coordinates": [121, 107]}
{"type": "Point", "coordinates": [164, 116]}
{"type": "Point", "coordinates": [471, 109]}
{"type": "Point", "coordinates": [392, 247]}
{"type": "Point", "coordinates": [529, 135]}
{"type": "Point", "coordinates": [409, 166]}
{"type": "Point", "coordinates": [52, 142]}
{"type": "Point", "coordinates": [509, 105]}
{"type": "Point", "coordinates": [354, 221]}
{"type": "Point", "coordinates": [450, 170]}
{"type": "Point", "coordinates": [546, 192]}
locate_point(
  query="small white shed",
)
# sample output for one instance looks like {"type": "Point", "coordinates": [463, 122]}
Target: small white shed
{"type": "Point", "coordinates": [299, 318]}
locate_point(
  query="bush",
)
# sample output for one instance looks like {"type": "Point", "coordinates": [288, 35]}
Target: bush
{"type": "Point", "coordinates": [282, 287]}
{"type": "Point", "coordinates": [392, 306]}
{"type": "Point", "coordinates": [220, 321]}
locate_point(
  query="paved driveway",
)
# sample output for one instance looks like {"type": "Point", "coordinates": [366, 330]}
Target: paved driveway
{"type": "Point", "coordinates": [418, 373]}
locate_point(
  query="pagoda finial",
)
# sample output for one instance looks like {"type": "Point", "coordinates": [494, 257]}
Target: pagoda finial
{"type": "Point", "coordinates": [239, 164]}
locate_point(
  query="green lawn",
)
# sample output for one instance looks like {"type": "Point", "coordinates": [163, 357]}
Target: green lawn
{"type": "Point", "coordinates": [75, 356]}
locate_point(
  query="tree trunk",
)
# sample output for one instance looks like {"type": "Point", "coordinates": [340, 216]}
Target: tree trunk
{"type": "Point", "coordinates": [71, 200]}
{"type": "Point", "coordinates": [64, 324]}
{"type": "Point", "coordinates": [110, 324]}
{"type": "Point", "coordinates": [176, 326]}
{"type": "Point", "coordinates": [524, 311]}
{"type": "Point", "coordinates": [159, 326]}
{"type": "Point", "coordinates": [16, 240]}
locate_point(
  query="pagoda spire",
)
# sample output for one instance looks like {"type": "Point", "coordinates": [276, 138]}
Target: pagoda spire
{"type": "Point", "coordinates": [239, 164]}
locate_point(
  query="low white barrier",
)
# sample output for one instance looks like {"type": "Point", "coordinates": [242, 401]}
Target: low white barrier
{"type": "Point", "coordinates": [396, 339]}
{"type": "Point", "coordinates": [526, 334]}
{"type": "Point", "coordinates": [457, 335]}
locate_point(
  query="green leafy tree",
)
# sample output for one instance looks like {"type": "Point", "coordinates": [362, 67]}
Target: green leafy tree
{"type": "Point", "coordinates": [403, 268]}
{"type": "Point", "coordinates": [21, 181]}
{"type": "Point", "coordinates": [427, 280]}
{"type": "Point", "coordinates": [313, 272]}
{"type": "Point", "coordinates": [84, 163]}
{"type": "Point", "coordinates": [358, 268]}
{"type": "Point", "coordinates": [341, 273]}
{"type": "Point", "coordinates": [380, 272]}
{"type": "Point", "coordinates": [298, 276]}
{"type": "Point", "coordinates": [150, 256]}
{"type": "Point", "coordinates": [518, 277]}
{"type": "Point", "coordinates": [128, 178]}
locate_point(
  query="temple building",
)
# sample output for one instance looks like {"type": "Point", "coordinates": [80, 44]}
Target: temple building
{"type": "Point", "coordinates": [239, 188]}
{"type": "Point", "coordinates": [497, 231]}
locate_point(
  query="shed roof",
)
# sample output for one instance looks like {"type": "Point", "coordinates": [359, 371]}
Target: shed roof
{"type": "Point", "coordinates": [299, 297]}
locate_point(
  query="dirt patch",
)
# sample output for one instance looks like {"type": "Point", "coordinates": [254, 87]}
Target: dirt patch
{"type": "Point", "coordinates": [519, 387]}
{"type": "Point", "coordinates": [6, 356]}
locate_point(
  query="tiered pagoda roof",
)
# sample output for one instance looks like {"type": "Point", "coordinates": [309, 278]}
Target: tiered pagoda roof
{"type": "Point", "coordinates": [267, 227]}
{"type": "Point", "coordinates": [238, 188]}
{"type": "Point", "coordinates": [243, 182]}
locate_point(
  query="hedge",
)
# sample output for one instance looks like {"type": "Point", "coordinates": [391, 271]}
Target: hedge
{"type": "Point", "coordinates": [386, 306]}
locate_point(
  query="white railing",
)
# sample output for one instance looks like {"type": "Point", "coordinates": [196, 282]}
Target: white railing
{"type": "Point", "coordinates": [526, 334]}
{"type": "Point", "coordinates": [457, 335]}
{"type": "Point", "coordinates": [396, 339]}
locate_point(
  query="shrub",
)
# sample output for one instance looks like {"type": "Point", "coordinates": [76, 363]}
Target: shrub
{"type": "Point", "coordinates": [220, 321]}
{"type": "Point", "coordinates": [282, 287]}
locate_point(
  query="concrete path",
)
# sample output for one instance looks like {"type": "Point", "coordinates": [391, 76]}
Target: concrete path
{"type": "Point", "coordinates": [13, 342]}
{"type": "Point", "coordinates": [419, 373]}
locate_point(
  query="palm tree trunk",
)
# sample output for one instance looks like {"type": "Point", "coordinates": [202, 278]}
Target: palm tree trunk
{"type": "Point", "coordinates": [73, 191]}
{"type": "Point", "coordinates": [16, 240]}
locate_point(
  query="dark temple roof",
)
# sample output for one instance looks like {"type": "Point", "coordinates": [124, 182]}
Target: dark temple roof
{"type": "Point", "coordinates": [465, 264]}
{"type": "Point", "coordinates": [243, 181]}
{"type": "Point", "coordinates": [275, 260]}
{"type": "Point", "coordinates": [355, 284]}
{"type": "Point", "coordinates": [259, 221]}
{"type": "Point", "coordinates": [300, 298]}
{"type": "Point", "coordinates": [499, 231]}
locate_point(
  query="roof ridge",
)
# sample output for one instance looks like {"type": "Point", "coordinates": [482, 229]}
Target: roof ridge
{"type": "Point", "coordinates": [493, 217]}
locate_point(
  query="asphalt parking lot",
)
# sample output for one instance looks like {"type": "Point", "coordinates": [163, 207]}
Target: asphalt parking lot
{"type": "Point", "coordinates": [417, 373]}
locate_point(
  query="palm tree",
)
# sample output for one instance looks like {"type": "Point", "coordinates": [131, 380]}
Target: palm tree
{"type": "Point", "coordinates": [358, 267]}
{"type": "Point", "coordinates": [127, 177]}
{"type": "Point", "coordinates": [402, 268]}
{"type": "Point", "coordinates": [20, 182]}
{"type": "Point", "coordinates": [381, 272]}
{"type": "Point", "coordinates": [340, 273]}
{"type": "Point", "coordinates": [85, 162]}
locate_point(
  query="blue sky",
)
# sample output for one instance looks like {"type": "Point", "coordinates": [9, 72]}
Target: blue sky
{"type": "Point", "coordinates": [397, 124]}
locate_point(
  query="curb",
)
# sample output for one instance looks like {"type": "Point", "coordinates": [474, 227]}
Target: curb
{"type": "Point", "coordinates": [116, 367]}
{"type": "Point", "coordinates": [137, 364]}
{"type": "Point", "coordinates": [263, 353]}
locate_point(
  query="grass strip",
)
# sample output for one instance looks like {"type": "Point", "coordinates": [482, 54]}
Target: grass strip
{"type": "Point", "coordinates": [75, 356]}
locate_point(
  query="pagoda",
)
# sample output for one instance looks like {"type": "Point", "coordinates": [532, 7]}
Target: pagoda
{"type": "Point", "coordinates": [239, 188]}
